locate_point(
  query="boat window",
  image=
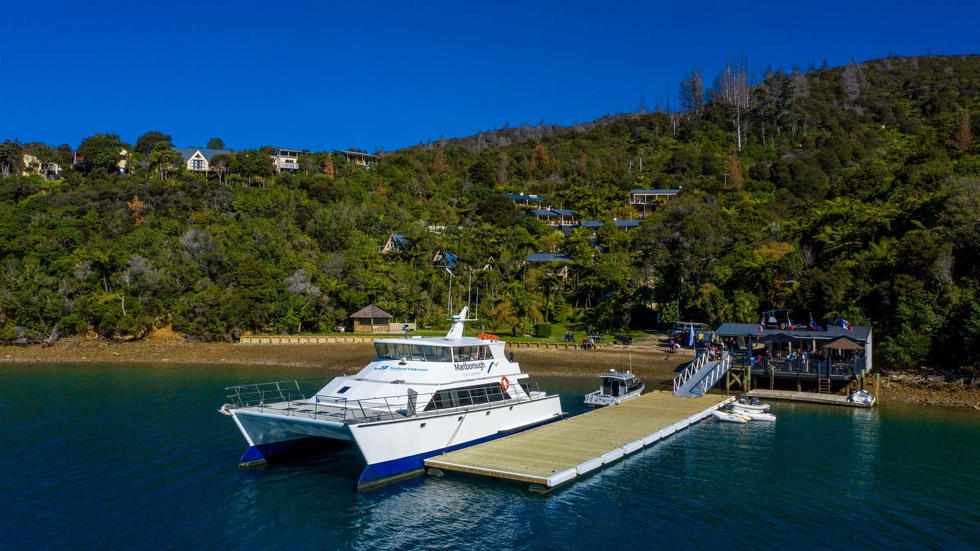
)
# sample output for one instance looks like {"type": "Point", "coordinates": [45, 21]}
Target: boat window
{"type": "Point", "coordinates": [471, 353]}
{"type": "Point", "coordinates": [343, 389]}
{"type": "Point", "coordinates": [466, 396]}
{"type": "Point", "coordinates": [414, 352]}
{"type": "Point", "coordinates": [436, 353]}
{"type": "Point", "coordinates": [384, 351]}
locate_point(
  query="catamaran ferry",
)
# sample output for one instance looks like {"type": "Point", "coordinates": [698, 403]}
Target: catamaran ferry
{"type": "Point", "coordinates": [418, 398]}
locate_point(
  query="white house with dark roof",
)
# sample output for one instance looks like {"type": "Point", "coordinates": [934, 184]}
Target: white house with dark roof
{"type": "Point", "coordinates": [522, 200]}
{"type": "Point", "coordinates": [286, 160]}
{"type": "Point", "coordinates": [396, 242]}
{"type": "Point", "coordinates": [556, 217]}
{"type": "Point", "coordinates": [197, 159]}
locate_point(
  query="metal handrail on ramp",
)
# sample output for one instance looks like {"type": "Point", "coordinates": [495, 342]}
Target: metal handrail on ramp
{"type": "Point", "coordinates": [701, 374]}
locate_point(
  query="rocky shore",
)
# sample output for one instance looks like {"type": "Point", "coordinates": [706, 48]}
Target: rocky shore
{"type": "Point", "coordinates": [649, 360]}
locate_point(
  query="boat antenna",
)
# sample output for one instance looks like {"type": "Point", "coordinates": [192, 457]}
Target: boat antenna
{"type": "Point", "coordinates": [449, 307]}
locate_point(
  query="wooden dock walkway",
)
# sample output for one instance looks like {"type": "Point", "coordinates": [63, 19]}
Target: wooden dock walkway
{"type": "Point", "coordinates": [556, 453]}
{"type": "Point", "coordinates": [810, 397]}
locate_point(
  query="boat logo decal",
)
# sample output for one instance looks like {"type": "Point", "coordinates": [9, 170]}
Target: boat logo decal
{"type": "Point", "coordinates": [401, 368]}
{"type": "Point", "coordinates": [491, 366]}
{"type": "Point", "coordinates": [467, 366]}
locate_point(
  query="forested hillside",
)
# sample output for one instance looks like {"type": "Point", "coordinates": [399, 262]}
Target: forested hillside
{"type": "Point", "coordinates": [849, 192]}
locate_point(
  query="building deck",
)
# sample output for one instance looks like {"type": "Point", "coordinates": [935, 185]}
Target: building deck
{"type": "Point", "coordinates": [810, 397]}
{"type": "Point", "coordinates": [556, 453]}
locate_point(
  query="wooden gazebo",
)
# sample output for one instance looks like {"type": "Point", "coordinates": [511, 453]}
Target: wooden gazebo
{"type": "Point", "coordinates": [371, 319]}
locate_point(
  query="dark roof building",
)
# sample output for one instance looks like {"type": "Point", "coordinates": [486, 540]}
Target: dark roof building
{"type": "Point", "coordinates": [544, 258]}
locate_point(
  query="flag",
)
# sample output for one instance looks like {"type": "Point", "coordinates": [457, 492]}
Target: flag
{"type": "Point", "coordinates": [813, 324]}
{"type": "Point", "coordinates": [789, 322]}
{"type": "Point", "coordinates": [690, 337]}
{"type": "Point", "coordinates": [845, 324]}
{"type": "Point", "coordinates": [762, 324]}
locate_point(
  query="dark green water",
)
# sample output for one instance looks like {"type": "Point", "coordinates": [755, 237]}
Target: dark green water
{"type": "Point", "coordinates": [132, 458]}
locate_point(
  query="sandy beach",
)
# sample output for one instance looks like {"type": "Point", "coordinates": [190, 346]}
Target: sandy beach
{"type": "Point", "coordinates": [647, 358]}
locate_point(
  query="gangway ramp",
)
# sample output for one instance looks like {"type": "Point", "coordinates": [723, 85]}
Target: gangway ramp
{"type": "Point", "coordinates": [701, 374]}
{"type": "Point", "coordinates": [556, 453]}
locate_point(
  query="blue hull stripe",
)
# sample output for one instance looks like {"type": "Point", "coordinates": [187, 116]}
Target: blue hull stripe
{"type": "Point", "coordinates": [262, 453]}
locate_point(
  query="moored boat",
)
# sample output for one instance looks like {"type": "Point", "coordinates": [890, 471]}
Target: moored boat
{"type": "Point", "coordinates": [752, 414]}
{"type": "Point", "coordinates": [752, 404]}
{"type": "Point", "coordinates": [615, 387]}
{"type": "Point", "coordinates": [729, 416]}
{"type": "Point", "coordinates": [418, 398]}
{"type": "Point", "coordinates": [862, 397]}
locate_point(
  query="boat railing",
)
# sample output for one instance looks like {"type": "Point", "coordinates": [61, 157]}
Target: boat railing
{"type": "Point", "coordinates": [258, 394]}
{"type": "Point", "coordinates": [811, 366]}
{"type": "Point", "coordinates": [285, 398]}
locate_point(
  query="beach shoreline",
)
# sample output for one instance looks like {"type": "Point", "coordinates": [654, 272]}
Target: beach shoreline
{"type": "Point", "coordinates": [651, 362]}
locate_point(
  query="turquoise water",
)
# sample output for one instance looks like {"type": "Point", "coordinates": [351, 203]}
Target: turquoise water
{"type": "Point", "coordinates": [131, 458]}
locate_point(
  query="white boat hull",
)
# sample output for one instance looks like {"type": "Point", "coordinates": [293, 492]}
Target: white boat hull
{"type": "Point", "coordinates": [729, 417]}
{"type": "Point", "coordinates": [752, 414]}
{"type": "Point", "coordinates": [598, 399]}
{"type": "Point", "coordinates": [395, 447]}
{"type": "Point", "coordinates": [760, 407]}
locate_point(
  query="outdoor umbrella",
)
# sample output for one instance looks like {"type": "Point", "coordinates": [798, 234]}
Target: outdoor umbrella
{"type": "Point", "coordinates": [844, 343]}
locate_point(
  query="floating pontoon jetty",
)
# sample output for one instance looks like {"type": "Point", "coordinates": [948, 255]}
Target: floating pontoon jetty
{"type": "Point", "coordinates": [810, 397]}
{"type": "Point", "coordinates": [559, 452]}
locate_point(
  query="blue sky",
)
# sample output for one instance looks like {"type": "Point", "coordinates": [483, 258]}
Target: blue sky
{"type": "Point", "coordinates": [323, 75]}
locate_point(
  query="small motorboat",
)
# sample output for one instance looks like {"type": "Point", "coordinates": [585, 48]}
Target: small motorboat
{"type": "Point", "coordinates": [751, 403]}
{"type": "Point", "coordinates": [750, 413]}
{"type": "Point", "coordinates": [730, 416]}
{"type": "Point", "coordinates": [862, 397]}
{"type": "Point", "coordinates": [616, 387]}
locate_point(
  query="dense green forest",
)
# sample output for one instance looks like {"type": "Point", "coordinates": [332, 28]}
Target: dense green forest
{"type": "Point", "coordinates": [849, 192]}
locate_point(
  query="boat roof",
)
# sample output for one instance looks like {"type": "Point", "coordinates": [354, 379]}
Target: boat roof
{"type": "Point", "coordinates": [437, 341]}
{"type": "Point", "coordinates": [613, 374]}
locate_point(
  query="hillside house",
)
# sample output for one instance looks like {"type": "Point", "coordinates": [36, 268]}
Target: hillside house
{"type": "Point", "coordinates": [359, 158]}
{"type": "Point", "coordinates": [556, 263]}
{"type": "Point", "coordinates": [521, 200]}
{"type": "Point", "coordinates": [79, 161]}
{"type": "Point", "coordinates": [396, 242]}
{"type": "Point", "coordinates": [285, 160]}
{"type": "Point", "coordinates": [627, 225]}
{"type": "Point", "coordinates": [197, 159]}
{"type": "Point", "coordinates": [446, 260]}
{"type": "Point", "coordinates": [45, 169]}
{"type": "Point", "coordinates": [555, 217]}
{"type": "Point", "coordinates": [646, 200]}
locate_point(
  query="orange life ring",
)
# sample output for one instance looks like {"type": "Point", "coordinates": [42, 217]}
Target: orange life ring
{"type": "Point", "coordinates": [504, 384]}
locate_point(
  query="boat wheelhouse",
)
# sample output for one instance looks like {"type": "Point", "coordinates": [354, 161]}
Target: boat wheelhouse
{"type": "Point", "coordinates": [418, 398]}
{"type": "Point", "coordinates": [615, 387]}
